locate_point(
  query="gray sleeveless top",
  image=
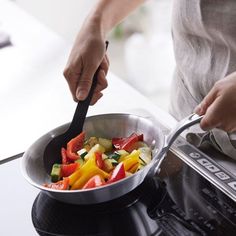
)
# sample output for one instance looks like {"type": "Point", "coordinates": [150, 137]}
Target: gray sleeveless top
{"type": "Point", "coordinates": [204, 36]}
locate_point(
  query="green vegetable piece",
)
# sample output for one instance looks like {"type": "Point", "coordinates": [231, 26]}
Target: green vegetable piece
{"type": "Point", "coordinates": [146, 154]}
{"type": "Point", "coordinates": [106, 143]}
{"type": "Point", "coordinates": [80, 161]}
{"type": "Point", "coordinates": [91, 141]}
{"type": "Point", "coordinates": [122, 153]}
{"type": "Point", "coordinates": [56, 173]}
{"type": "Point", "coordinates": [113, 162]}
{"type": "Point", "coordinates": [116, 156]}
{"type": "Point", "coordinates": [142, 161]}
{"type": "Point", "coordinates": [108, 165]}
{"type": "Point", "coordinates": [82, 153]}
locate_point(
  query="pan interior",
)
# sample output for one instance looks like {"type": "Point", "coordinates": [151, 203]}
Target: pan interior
{"type": "Point", "coordinates": [106, 126]}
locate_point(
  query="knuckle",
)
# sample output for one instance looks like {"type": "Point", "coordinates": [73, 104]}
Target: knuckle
{"type": "Point", "coordinates": [105, 85]}
{"type": "Point", "coordinates": [85, 83]}
{"type": "Point", "coordinates": [218, 85]}
{"type": "Point", "coordinates": [225, 128]}
{"type": "Point", "coordinates": [66, 73]}
{"type": "Point", "coordinates": [204, 104]}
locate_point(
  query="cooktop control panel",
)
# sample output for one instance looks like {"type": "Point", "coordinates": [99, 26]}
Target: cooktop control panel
{"type": "Point", "coordinates": [206, 166]}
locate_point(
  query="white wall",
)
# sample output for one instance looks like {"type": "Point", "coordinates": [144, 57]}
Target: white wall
{"type": "Point", "coordinates": [63, 16]}
{"type": "Point", "coordinates": [148, 56]}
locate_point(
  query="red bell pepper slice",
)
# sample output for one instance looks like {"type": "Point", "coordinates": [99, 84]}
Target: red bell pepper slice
{"type": "Point", "coordinates": [99, 160]}
{"type": "Point", "coordinates": [93, 182]}
{"type": "Point", "coordinates": [64, 158]}
{"type": "Point", "coordinates": [127, 143]}
{"type": "Point", "coordinates": [75, 145]}
{"type": "Point", "coordinates": [60, 185]}
{"type": "Point", "coordinates": [117, 174]}
{"type": "Point", "coordinates": [68, 169]}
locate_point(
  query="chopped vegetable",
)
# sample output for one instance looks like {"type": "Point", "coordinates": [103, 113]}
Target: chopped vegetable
{"type": "Point", "coordinates": [92, 141]}
{"type": "Point", "coordinates": [113, 162]}
{"type": "Point", "coordinates": [93, 182]}
{"type": "Point", "coordinates": [68, 169]}
{"type": "Point", "coordinates": [83, 174]}
{"type": "Point", "coordinates": [82, 153]}
{"type": "Point", "coordinates": [108, 166]}
{"type": "Point", "coordinates": [131, 159]}
{"type": "Point", "coordinates": [80, 161]}
{"type": "Point", "coordinates": [98, 161]}
{"type": "Point", "coordinates": [106, 143]}
{"type": "Point", "coordinates": [96, 148]}
{"type": "Point", "coordinates": [64, 158]}
{"type": "Point", "coordinates": [127, 143]}
{"type": "Point", "coordinates": [116, 156]}
{"type": "Point", "coordinates": [56, 173]}
{"type": "Point", "coordinates": [60, 185]}
{"type": "Point", "coordinates": [134, 168]}
{"type": "Point", "coordinates": [74, 145]}
{"type": "Point", "coordinates": [145, 154]}
{"type": "Point", "coordinates": [117, 174]}
{"type": "Point", "coordinates": [123, 154]}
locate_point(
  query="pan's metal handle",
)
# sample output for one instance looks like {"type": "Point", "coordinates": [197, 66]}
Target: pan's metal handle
{"type": "Point", "coordinates": [180, 127]}
{"type": "Point", "coordinates": [171, 137]}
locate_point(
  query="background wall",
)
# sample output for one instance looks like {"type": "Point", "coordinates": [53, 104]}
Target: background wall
{"type": "Point", "coordinates": [63, 16]}
{"type": "Point", "coordinates": [140, 48]}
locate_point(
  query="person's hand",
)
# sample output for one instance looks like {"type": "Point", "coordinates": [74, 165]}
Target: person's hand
{"type": "Point", "coordinates": [87, 54]}
{"type": "Point", "coordinates": [219, 106]}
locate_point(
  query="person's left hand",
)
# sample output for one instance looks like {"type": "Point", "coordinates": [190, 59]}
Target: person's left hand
{"type": "Point", "coordinates": [219, 106]}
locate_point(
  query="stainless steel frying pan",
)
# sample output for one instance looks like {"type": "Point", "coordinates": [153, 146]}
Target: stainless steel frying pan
{"type": "Point", "coordinates": [36, 170]}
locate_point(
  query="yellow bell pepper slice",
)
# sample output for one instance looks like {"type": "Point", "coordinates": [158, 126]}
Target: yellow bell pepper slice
{"type": "Point", "coordinates": [134, 168]}
{"type": "Point", "coordinates": [79, 177]}
{"type": "Point", "coordinates": [131, 159]}
{"type": "Point", "coordinates": [123, 155]}
{"type": "Point", "coordinates": [86, 176]}
{"type": "Point", "coordinates": [78, 173]}
{"type": "Point", "coordinates": [96, 148]}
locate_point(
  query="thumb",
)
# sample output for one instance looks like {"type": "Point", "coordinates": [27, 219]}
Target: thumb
{"type": "Point", "coordinates": [84, 84]}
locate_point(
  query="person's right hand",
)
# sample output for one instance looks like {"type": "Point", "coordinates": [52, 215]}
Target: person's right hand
{"type": "Point", "coordinates": [87, 54]}
{"type": "Point", "coordinates": [219, 105]}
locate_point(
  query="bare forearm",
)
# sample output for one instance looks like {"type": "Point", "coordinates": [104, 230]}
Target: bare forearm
{"type": "Point", "coordinates": [108, 13]}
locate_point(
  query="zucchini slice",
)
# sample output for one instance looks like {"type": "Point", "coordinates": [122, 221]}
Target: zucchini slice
{"type": "Point", "coordinates": [56, 173]}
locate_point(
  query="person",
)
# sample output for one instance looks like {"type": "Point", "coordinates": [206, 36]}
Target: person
{"type": "Point", "coordinates": [204, 38]}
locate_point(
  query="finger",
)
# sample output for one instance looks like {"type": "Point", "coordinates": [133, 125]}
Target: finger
{"type": "Point", "coordinates": [96, 97]}
{"type": "Point", "coordinates": [102, 81]}
{"type": "Point", "coordinates": [71, 77]}
{"type": "Point", "coordinates": [107, 59]}
{"type": "Point", "coordinates": [206, 102]}
{"type": "Point", "coordinates": [212, 117]}
{"type": "Point", "coordinates": [104, 64]}
{"type": "Point", "coordinates": [84, 84]}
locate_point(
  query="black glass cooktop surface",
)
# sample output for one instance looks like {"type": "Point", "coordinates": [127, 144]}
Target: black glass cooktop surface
{"type": "Point", "coordinates": [177, 202]}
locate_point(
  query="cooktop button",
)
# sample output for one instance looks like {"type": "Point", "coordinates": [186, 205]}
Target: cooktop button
{"type": "Point", "coordinates": [194, 155]}
{"type": "Point", "coordinates": [212, 168]}
{"type": "Point", "coordinates": [204, 162]}
{"type": "Point", "coordinates": [232, 185]}
{"type": "Point", "coordinates": [221, 175]}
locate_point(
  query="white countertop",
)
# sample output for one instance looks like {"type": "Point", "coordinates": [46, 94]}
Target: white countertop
{"type": "Point", "coordinates": [34, 97]}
